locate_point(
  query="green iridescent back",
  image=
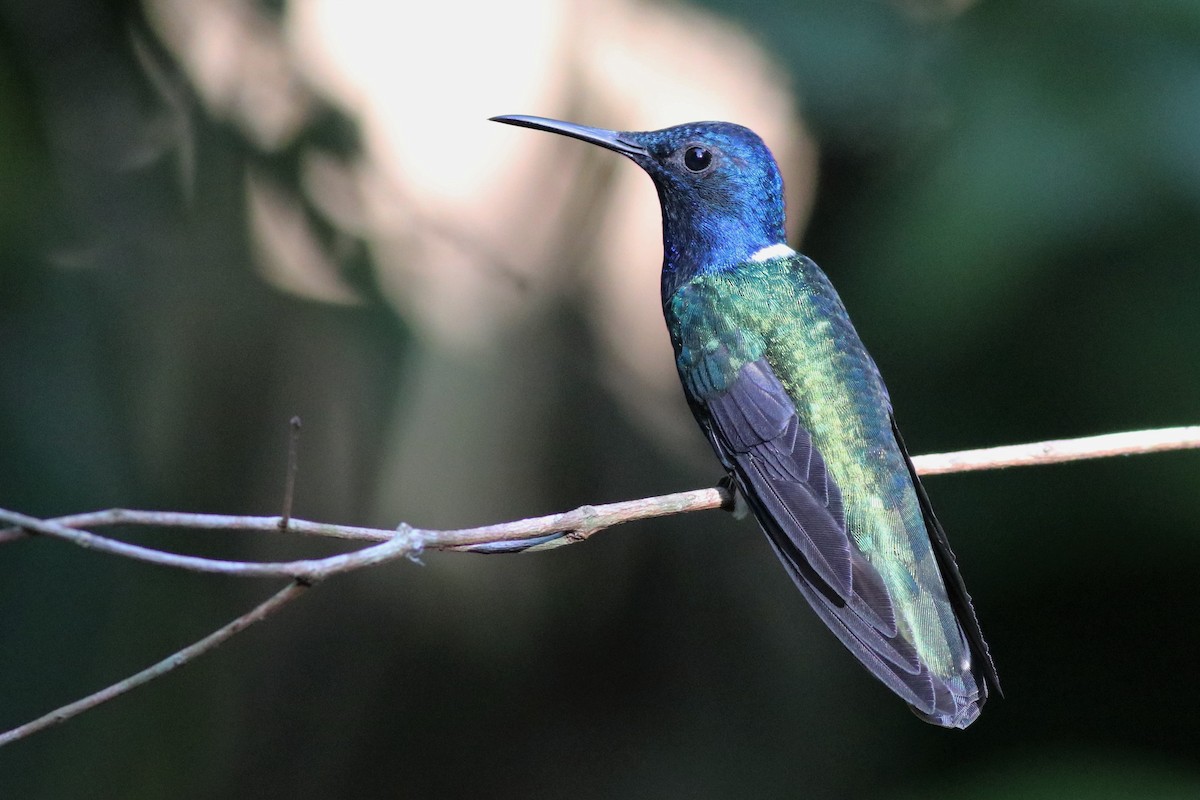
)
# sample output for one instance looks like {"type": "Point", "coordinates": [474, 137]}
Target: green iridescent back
{"type": "Point", "coordinates": [786, 311]}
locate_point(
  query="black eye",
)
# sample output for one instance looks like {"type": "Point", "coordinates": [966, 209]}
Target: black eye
{"type": "Point", "coordinates": [697, 159]}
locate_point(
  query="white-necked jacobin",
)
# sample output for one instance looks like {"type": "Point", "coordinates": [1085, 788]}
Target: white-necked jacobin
{"type": "Point", "coordinates": [797, 413]}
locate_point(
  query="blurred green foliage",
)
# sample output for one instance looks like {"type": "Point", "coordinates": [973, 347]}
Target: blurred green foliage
{"type": "Point", "coordinates": [1010, 205]}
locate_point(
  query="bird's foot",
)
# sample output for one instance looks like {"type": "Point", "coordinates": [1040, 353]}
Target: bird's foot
{"type": "Point", "coordinates": [737, 504]}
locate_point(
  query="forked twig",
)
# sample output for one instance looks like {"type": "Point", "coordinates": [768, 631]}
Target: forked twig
{"type": "Point", "coordinates": [537, 533]}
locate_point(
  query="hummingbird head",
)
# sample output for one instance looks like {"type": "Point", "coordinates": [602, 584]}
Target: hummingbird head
{"type": "Point", "coordinates": [718, 184]}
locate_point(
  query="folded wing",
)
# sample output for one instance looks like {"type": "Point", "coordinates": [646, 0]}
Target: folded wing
{"type": "Point", "coordinates": [753, 425]}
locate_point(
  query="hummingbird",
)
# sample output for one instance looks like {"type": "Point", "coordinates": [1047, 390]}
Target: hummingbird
{"type": "Point", "coordinates": [798, 415]}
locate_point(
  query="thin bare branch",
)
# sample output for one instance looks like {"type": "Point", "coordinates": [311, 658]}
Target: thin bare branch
{"type": "Point", "coordinates": [571, 526]}
{"type": "Point", "coordinates": [581, 523]}
{"type": "Point", "coordinates": [1061, 450]}
{"type": "Point", "coordinates": [401, 542]}
{"type": "Point", "coordinates": [212, 522]}
{"type": "Point", "coordinates": [173, 661]}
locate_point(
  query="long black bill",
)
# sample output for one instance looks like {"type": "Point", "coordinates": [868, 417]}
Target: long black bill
{"type": "Point", "coordinates": [608, 139]}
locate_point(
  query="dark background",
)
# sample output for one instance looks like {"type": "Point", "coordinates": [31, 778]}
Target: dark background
{"type": "Point", "coordinates": [1009, 203]}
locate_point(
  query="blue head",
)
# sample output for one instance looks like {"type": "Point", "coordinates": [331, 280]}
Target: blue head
{"type": "Point", "coordinates": [719, 186]}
